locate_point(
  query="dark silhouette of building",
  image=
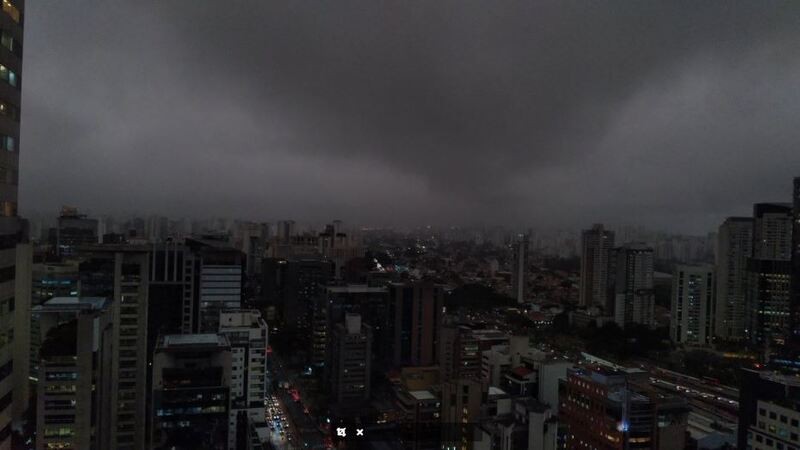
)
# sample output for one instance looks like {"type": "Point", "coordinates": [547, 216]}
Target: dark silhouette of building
{"type": "Point", "coordinates": [769, 274]}
{"type": "Point", "coordinates": [191, 392]}
{"type": "Point", "coordinates": [416, 316]}
{"type": "Point", "coordinates": [597, 246]}
{"type": "Point", "coordinates": [74, 230]}
{"type": "Point", "coordinates": [759, 391]}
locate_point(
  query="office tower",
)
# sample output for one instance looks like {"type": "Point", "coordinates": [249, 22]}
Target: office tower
{"type": "Point", "coordinates": [211, 279]}
{"type": "Point", "coordinates": [597, 246]}
{"type": "Point", "coordinates": [48, 280]}
{"type": "Point", "coordinates": [519, 269]}
{"type": "Point", "coordinates": [156, 228]}
{"type": "Point", "coordinates": [72, 354]}
{"type": "Point", "coordinates": [350, 368]}
{"type": "Point", "coordinates": [11, 227]}
{"type": "Point", "coordinates": [461, 350]}
{"type": "Point", "coordinates": [120, 273]}
{"type": "Point", "coordinates": [610, 409]}
{"type": "Point", "coordinates": [18, 337]}
{"type": "Point", "coordinates": [769, 274]}
{"type": "Point", "coordinates": [339, 247]}
{"type": "Point", "coordinates": [74, 230]}
{"type": "Point", "coordinates": [768, 411]}
{"type": "Point", "coordinates": [416, 312]}
{"type": "Point", "coordinates": [796, 259]}
{"type": "Point", "coordinates": [290, 285]}
{"type": "Point", "coordinates": [191, 392]}
{"type": "Point", "coordinates": [286, 229]}
{"type": "Point", "coordinates": [252, 239]}
{"type": "Point", "coordinates": [330, 307]}
{"type": "Point", "coordinates": [461, 407]}
{"type": "Point", "coordinates": [247, 334]}
{"type": "Point", "coordinates": [692, 315]}
{"type": "Point", "coordinates": [772, 231]}
{"type": "Point", "coordinates": [734, 248]}
{"type": "Point", "coordinates": [633, 285]}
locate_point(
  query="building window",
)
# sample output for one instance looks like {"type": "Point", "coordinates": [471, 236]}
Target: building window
{"type": "Point", "coordinates": [8, 41]}
{"type": "Point", "coordinates": [9, 110]}
{"type": "Point", "coordinates": [8, 209]}
{"type": "Point", "coordinates": [7, 143]}
{"type": "Point", "coordinates": [11, 10]}
{"type": "Point", "coordinates": [8, 75]}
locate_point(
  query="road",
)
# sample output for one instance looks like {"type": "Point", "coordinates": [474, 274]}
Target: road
{"type": "Point", "coordinates": [305, 427]}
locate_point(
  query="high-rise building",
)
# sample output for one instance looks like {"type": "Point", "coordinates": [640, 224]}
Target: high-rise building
{"type": "Point", "coordinates": [330, 308]}
{"type": "Point", "coordinates": [220, 284]}
{"type": "Point", "coordinates": [597, 247]}
{"type": "Point", "coordinates": [769, 274]}
{"type": "Point", "coordinates": [120, 273]}
{"type": "Point", "coordinates": [608, 409]}
{"type": "Point", "coordinates": [290, 285]}
{"type": "Point", "coordinates": [769, 411]}
{"type": "Point", "coordinates": [11, 227]}
{"type": "Point", "coordinates": [71, 357]}
{"type": "Point", "coordinates": [734, 248]}
{"type": "Point", "coordinates": [191, 392]}
{"type": "Point", "coordinates": [796, 259]}
{"type": "Point", "coordinates": [416, 312]}
{"type": "Point", "coordinates": [519, 269]}
{"type": "Point", "coordinates": [692, 315]}
{"type": "Point", "coordinates": [461, 408]}
{"type": "Point", "coordinates": [247, 334]}
{"type": "Point", "coordinates": [634, 301]}
{"type": "Point", "coordinates": [74, 230]}
{"type": "Point", "coordinates": [350, 368]}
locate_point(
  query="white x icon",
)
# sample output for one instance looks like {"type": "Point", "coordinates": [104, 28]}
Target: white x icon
{"type": "Point", "coordinates": [359, 431]}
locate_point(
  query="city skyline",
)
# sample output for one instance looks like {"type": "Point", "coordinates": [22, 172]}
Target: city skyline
{"type": "Point", "coordinates": [547, 114]}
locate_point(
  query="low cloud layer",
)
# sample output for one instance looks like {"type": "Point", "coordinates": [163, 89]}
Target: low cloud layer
{"type": "Point", "coordinates": [669, 114]}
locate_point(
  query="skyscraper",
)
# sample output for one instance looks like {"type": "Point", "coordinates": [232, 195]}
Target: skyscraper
{"type": "Point", "coordinates": [72, 353]}
{"type": "Point", "coordinates": [246, 332]}
{"type": "Point", "coordinates": [796, 259]}
{"type": "Point", "coordinates": [191, 392]}
{"type": "Point", "coordinates": [769, 273]}
{"type": "Point", "coordinates": [519, 267]}
{"type": "Point", "coordinates": [351, 359]}
{"type": "Point", "coordinates": [634, 301]}
{"type": "Point", "coordinates": [120, 273]}
{"type": "Point", "coordinates": [692, 315]}
{"type": "Point", "coordinates": [597, 246]}
{"type": "Point", "coordinates": [11, 229]}
{"type": "Point", "coordinates": [415, 319]}
{"type": "Point", "coordinates": [768, 413]}
{"type": "Point", "coordinates": [734, 248]}
{"type": "Point", "coordinates": [73, 230]}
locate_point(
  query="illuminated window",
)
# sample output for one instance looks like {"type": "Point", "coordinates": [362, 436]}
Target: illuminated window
{"type": "Point", "coordinates": [8, 76]}
{"type": "Point", "coordinates": [7, 143]}
{"type": "Point", "coordinates": [9, 110]}
{"type": "Point", "coordinates": [11, 10]}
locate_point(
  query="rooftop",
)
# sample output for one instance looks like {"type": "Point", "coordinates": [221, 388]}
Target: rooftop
{"type": "Point", "coordinates": [422, 395]}
{"type": "Point", "coordinates": [62, 304]}
{"type": "Point", "coordinates": [187, 340]}
{"type": "Point", "coordinates": [355, 289]}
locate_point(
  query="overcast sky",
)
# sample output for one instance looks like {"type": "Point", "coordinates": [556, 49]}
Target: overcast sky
{"type": "Point", "coordinates": [669, 114]}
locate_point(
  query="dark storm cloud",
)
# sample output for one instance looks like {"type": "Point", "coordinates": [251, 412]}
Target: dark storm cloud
{"type": "Point", "coordinates": [674, 114]}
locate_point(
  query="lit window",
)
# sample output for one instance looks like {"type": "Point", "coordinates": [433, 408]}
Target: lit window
{"type": "Point", "coordinates": [8, 76]}
{"type": "Point", "coordinates": [11, 10]}
{"type": "Point", "coordinates": [7, 143]}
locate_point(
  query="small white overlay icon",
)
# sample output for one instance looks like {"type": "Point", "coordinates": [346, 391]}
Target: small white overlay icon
{"type": "Point", "coordinates": [341, 432]}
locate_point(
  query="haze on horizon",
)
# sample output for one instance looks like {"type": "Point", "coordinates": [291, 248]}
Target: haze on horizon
{"type": "Point", "coordinates": [669, 114]}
